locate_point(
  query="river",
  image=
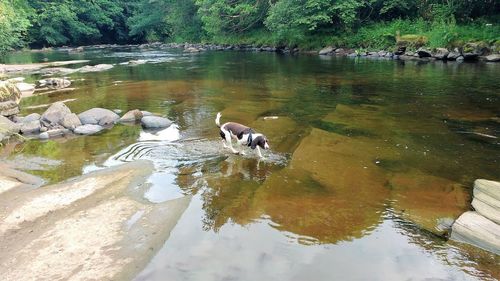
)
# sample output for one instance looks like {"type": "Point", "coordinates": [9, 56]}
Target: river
{"type": "Point", "coordinates": [368, 158]}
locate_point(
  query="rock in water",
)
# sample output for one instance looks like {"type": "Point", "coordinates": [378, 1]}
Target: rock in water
{"type": "Point", "coordinates": [31, 117]}
{"type": "Point", "coordinates": [155, 122]}
{"type": "Point", "coordinates": [98, 116]}
{"type": "Point", "coordinates": [55, 113]}
{"type": "Point", "coordinates": [9, 108]}
{"type": "Point", "coordinates": [95, 68]}
{"type": "Point", "coordinates": [132, 116]}
{"type": "Point", "coordinates": [71, 121]}
{"type": "Point", "coordinates": [55, 83]}
{"type": "Point", "coordinates": [88, 129]}
{"type": "Point", "coordinates": [487, 199]}
{"type": "Point", "coordinates": [493, 58]}
{"type": "Point", "coordinates": [9, 92]}
{"type": "Point", "coordinates": [423, 53]}
{"type": "Point", "coordinates": [31, 127]}
{"type": "Point", "coordinates": [441, 53]}
{"type": "Point", "coordinates": [7, 128]}
{"type": "Point", "coordinates": [472, 228]}
{"type": "Point", "coordinates": [326, 51]}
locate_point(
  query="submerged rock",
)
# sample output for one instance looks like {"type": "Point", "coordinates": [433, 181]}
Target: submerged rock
{"type": "Point", "coordinates": [95, 68]}
{"type": "Point", "coordinates": [88, 129]}
{"type": "Point", "coordinates": [98, 116]}
{"type": "Point", "coordinates": [155, 122]}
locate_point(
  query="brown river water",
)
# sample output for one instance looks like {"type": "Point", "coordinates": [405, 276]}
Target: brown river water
{"type": "Point", "coordinates": [367, 159]}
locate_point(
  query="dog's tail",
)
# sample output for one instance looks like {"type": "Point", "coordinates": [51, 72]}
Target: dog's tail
{"type": "Point", "coordinates": [217, 119]}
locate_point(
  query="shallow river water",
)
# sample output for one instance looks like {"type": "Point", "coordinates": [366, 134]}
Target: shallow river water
{"type": "Point", "coordinates": [367, 159]}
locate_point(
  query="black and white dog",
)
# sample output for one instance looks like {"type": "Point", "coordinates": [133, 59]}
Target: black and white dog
{"type": "Point", "coordinates": [243, 135]}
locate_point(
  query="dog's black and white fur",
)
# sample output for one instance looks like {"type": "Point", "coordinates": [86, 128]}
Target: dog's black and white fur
{"type": "Point", "coordinates": [243, 136]}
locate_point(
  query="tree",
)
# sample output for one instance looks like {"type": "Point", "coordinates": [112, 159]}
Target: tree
{"type": "Point", "coordinates": [14, 24]}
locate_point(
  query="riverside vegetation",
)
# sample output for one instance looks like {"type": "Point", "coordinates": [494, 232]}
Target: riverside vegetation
{"type": "Point", "coordinates": [306, 24]}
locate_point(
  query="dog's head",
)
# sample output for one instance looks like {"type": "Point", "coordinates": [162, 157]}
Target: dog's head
{"type": "Point", "coordinates": [260, 141]}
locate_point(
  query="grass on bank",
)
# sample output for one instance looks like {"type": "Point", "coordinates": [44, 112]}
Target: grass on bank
{"type": "Point", "coordinates": [376, 36]}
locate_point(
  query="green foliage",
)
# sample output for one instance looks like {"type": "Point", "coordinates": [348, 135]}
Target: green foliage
{"type": "Point", "coordinates": [13, 24]}
{"type": "Point", "coordinates": [306, 23]}
{"type": "Point", "coordinates": [231, 16]}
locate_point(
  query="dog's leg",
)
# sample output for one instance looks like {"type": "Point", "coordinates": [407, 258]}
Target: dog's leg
{"type": "Point", "coordinates": [259, 153]}
{"type": "Point", "coordinates": [229, 141]}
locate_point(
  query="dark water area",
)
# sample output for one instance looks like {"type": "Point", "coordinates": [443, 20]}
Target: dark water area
{"type": "Point", "coordinates": [367, 158]}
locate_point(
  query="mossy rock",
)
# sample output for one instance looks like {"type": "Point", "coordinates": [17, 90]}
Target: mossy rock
{"type": "Point", "coordinates": [9, 92]}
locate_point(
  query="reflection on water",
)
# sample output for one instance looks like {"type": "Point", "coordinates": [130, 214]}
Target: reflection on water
{"type": "Point", "coordinates": [367, 158]}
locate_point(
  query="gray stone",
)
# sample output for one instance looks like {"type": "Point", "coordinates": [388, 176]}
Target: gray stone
{"type": "Point", "coordinates": [441, 53]}
{"type": "Point", "coordinates": [31, 117]}
{"type": "Point", "coordinates": [31, 127]}
{"type": "Point", "coordinates": [474, 229]}
{"type": "Point", "coordinates": [146, 113]}
{"type": "Point", "coordinates": [453, 55]}
{"type": "Point", "coordinates": [55, 113]}
{"type": "Point", "coordinates": [487, 199]}
{"type": "Point", "coordinates": [460, 59]}
{"type": "Point", "coordinates": [132, 116]}
{"type": "Point", "coordinates": [8, 127]}
{"type": "Point", "coordinates": [9, 108]}
{"type": "Point", "coordinates": [88, 129]}
{"type": "Point", "coordinates": [44, 136]}
{"type": "Point", "coordinates": [71, 121]}
{"type": "Point", "coordinates": [493, 58]}
{"type": "Point", "coordinates": [155, 122]}
{"type": "Point", "coordinates": [326, 51]}
{"type": "Point", "coordinates": [98, 116]}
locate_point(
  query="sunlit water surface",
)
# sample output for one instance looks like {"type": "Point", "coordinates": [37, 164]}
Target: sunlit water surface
{"type": "Point", "coordinates": [367, 158]}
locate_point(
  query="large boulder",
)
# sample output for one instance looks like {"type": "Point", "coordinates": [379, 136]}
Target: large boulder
{"type": "Point", "coordinates": [487, 199]}
{"type": "Point", "coordinates": [88, 129]}
{"type": "Point", "coordinates": [9, 108]}
{"type": "Point", "coordinates": [474, 229]}
{"type": "Point", "coordinates": [441, 53]}
{"type": "Point", "coordinates": [132, 116]}
{"type": "Point", "coordinates": [155, 122]}
{"type": "Point", "coordinates": [9, 92]}
{"type": "Point", "coordinates": [55, 114]}
{"type": "Point", "coordinates": [98, 116]}
{"type": "Point", "coordinates": [71, 121]}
